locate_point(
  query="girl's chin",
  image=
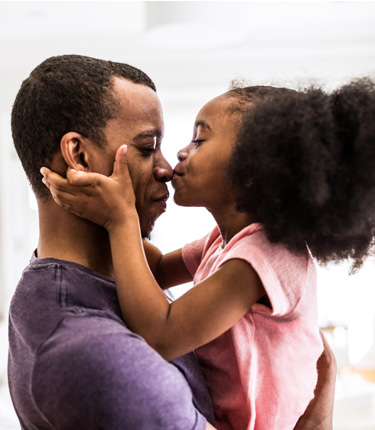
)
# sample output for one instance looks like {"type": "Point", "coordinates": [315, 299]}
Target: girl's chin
{"type": "Point", "coordinates": [181, 201]}
{"type": "Point", "coordinates": [185, 199]}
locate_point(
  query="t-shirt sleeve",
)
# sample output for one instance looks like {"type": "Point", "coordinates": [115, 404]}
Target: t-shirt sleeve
{"type": "Point", "coordinates": [192, 254]}
{"type": "Point", "coordinates": [282, 273]}
{"type": "Point", "coordinates": [111, 381]}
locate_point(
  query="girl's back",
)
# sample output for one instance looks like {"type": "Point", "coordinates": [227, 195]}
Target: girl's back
{"type": "Point", "coordinates": [262, 372]}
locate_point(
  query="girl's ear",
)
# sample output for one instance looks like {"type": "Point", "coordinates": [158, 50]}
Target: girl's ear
{"type": "Point", "coordinates": [73, 149]}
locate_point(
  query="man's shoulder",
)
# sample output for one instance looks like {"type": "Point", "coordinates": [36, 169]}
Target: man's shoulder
{"type": "Point", "coordinates": [51, 290]}
{"type": "Point", "coordinates": [91, 344]}
{"type": "Point", "coordinates": [94, 364]}
{"type": "Point", "coordinates": [91, 332]}
{"type": "Point", "coordinates": [82, 357]}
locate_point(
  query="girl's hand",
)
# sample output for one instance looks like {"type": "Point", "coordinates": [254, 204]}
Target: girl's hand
{"type": "Point", "coordinates": [106, 201]}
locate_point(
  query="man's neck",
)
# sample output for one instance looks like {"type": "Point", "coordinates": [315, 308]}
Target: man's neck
{"type": "Point", "coordinates": [65, 236]}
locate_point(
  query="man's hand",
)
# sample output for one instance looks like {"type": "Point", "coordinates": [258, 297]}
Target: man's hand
{"type": "Point", "coordinates": [103, 200]}
{"type": "Point", "coordinates": [319, 413]}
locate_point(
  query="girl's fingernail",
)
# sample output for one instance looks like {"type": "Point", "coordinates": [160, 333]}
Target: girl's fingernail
{"type": "Point", "coordinates": [42, 171]}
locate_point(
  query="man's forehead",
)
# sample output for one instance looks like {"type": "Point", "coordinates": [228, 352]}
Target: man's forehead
{"type": "Point", "coordinates": [136, 99]}
{"type": "Point", "coordinates": [127, 91]}
{"type": "Point", "coordinates": [139, 104]}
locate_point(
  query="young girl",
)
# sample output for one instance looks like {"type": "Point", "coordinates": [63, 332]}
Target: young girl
{"type": "Point", "coordinates": [284, 173]}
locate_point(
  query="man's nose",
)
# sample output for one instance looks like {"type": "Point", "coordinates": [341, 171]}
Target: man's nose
{"type": "Point", "coordinates": [163, 171]}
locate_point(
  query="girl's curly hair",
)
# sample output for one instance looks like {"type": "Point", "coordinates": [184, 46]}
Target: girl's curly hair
{"type": "Point", "coordinates": [304, 166]}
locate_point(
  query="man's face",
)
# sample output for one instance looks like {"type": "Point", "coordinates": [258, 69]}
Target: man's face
{"type": "Point", "coordinates": [139, 124]}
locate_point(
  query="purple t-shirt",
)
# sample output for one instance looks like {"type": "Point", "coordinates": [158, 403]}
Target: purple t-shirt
{"type": "Point", "coordinates": [73, 364]}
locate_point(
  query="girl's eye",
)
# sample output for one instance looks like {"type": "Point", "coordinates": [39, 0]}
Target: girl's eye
{"type": "Point", "coordinates": [197, 143]}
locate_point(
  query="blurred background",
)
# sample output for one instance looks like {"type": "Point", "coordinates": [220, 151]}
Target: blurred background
{"type": "Point", "coordinates": [192, 51]}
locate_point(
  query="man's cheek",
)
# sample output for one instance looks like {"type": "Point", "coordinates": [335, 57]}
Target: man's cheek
{"type": "Point", "coordinates": [134, 178]}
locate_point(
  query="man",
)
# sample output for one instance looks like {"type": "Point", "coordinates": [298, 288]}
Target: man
{"type": "Point", "coordinates": [73, 363]}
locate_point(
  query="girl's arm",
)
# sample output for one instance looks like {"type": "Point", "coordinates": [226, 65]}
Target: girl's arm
{"type": "Point", "coordinates": [168, 269]}
{"type": "Point", "coordinates": [199, 316]}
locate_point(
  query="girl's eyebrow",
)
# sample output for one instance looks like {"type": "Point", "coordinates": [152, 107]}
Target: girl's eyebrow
{"type": "Point", "coordinates": [203, 124]}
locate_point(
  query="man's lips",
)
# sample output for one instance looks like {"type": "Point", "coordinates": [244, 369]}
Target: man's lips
{"type": "Point", "coordinates": [162, 201]}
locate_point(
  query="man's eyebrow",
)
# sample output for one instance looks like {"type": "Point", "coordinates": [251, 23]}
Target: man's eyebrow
{"type": "Point", "coordinates": [203, 124]}
{"type": "Point", "coordinates": [149, 133]}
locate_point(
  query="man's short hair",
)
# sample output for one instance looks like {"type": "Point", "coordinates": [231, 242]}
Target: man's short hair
{"type": "Point", "coordinates": [62, 94]}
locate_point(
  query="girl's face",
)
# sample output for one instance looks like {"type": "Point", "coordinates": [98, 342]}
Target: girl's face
{"type": "Point", "coordinates": [200, 177]}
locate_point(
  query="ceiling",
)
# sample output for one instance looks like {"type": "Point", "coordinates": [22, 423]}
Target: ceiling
{"type": "Point", "coordinates": [197, 45]}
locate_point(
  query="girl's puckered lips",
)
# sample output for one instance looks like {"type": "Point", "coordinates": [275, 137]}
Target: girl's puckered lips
{"type": "Point", "coordinates": [176, 175]}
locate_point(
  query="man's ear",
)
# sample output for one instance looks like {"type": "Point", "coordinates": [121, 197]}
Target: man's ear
{"type": "Point", "coordinates": [74, 150]}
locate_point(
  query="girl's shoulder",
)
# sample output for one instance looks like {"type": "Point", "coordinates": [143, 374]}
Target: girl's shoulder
{"type": "Point", "coordinates": [285, 275]}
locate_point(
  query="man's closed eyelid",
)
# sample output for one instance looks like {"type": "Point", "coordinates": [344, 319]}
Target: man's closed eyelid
{"type": "Point", "coordinates": [147, 152]}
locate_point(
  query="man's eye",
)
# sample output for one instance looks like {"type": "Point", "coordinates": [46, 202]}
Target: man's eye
{"type": "Point", "coordinates": [197, 142]}
{"type": "Point", "coordinates": [148, 151]}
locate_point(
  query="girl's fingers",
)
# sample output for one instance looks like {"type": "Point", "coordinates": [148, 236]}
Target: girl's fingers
{"type": "Point", "coordinates": [78, 178]}
{"type": "Point", "coordinates": [62, 198]}
{"type": "Point", "coordinates": [120, 169]}
{"type": "Point", "coordinates": [68, 201]}
{"type": "Point", "coordinates": [53, 179]}
{"type": "Point", "coordinates": [93, 196]}
{"type": "Point", "coordinates": [74, 179]}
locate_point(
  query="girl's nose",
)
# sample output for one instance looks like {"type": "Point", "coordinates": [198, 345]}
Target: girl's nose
{"type": "Point", "coordinates": [182, 153]}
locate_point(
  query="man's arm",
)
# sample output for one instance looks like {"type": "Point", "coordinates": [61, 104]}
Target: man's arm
{"type": "Point", "coordinates": [319, 413]}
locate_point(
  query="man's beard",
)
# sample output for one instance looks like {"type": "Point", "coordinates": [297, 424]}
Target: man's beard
{"type": "Point", "coordinates": [146, 236]}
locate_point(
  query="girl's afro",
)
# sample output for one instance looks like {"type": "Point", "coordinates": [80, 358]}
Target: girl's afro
{"type": "Point", "coordinates": [304, 166]}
